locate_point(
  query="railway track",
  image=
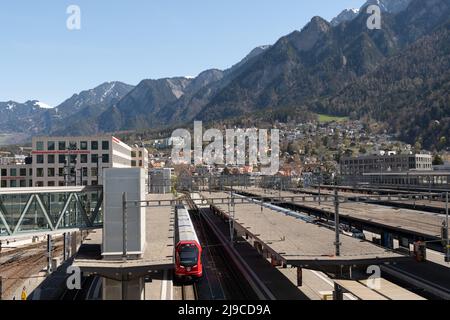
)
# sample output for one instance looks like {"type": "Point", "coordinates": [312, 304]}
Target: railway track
{"type": "Point", "coordinates": [189, 292]}
{"type": "Point", "coordinates": [227, 275]}
{"type": "Point", "coordinates": [24, 265]}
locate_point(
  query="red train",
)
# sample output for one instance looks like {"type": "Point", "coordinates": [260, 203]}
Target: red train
{"type": "Point", "coordinates": [188, 251]}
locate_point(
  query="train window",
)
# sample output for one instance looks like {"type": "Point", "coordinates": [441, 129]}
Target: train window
{"type": "Point", "coordinates": [188, 255]}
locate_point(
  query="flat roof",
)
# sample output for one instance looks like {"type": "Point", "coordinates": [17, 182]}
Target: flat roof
{"type": "Point", "coordinates": [300, 243]}
{"type": "Point", "coordinates": [159, 248]}
{"type": "Point", "coordinates": [393, 291]}
{"type": "Point", "coordinates": [418, 202]}
{"type": "Point", "coordinates": [419, 222]}
{"type": "Point", "coordinates": [359, 290]}
{"type": "Point", "coordinates": [409, 173]}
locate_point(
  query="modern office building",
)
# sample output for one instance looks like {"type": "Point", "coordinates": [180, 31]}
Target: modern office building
{"type": "Point", "coordinates": [69, 161]}
{"type": "Point", "coordinates": [355, 166]}
{"type": "Point", "coordinates": [16, 175]}
{"type": "Point", "coordinates": [139, 157]}
{"type": "Point", "coordinates": [388, 169]}
{"type": "Point", "coordinates": [61, 161]}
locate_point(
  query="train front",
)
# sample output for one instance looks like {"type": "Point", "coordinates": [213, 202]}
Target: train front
{"type": "Point", "coordinates": [188, 260]}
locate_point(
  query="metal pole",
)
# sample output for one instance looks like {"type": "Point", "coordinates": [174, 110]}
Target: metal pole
{"type": "Point", "coordinates": [64, 246]}
{"type": "Point", "coordinates": [124, 287]}
{"type": "Point", "coordinates": [336, 222]}
{"type": "Point", "coordinates": [320, 181]}
{"type": "Point", "coordinates": [429, 180]}
{"type": "Point", "coordinates": [124, 227]}
{"type": "Point", "coordinates": [49, 253]}
{"type": "Point", "coordinates": [447, 250]}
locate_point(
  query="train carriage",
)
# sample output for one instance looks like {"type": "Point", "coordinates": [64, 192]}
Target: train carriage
{"type": "Point", "coordinates": [188, 251]}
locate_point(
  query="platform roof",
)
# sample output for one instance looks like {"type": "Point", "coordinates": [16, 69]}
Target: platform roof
{"type": "Point", "coordinates": [418, 222]}
{"type": "Point", "coordinates": [300, 243]}
{"type": "Point", "coordinates": [159, 249]}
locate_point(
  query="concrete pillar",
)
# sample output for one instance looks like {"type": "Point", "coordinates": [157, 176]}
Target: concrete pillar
{"type": "Point", "coordinates": [338, 293]}
{"type": "Point", "coordinates": [387, 240]}
{"type": "Point", "coordinates": [299, 277]}
{"type": "Point", "coordinates": [127, 290]}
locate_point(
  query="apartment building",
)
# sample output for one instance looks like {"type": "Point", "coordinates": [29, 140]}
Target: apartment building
{"type": "Point", "coordinates": [60, 161]}
{"type": "Point", "coordinates": [160, 180]}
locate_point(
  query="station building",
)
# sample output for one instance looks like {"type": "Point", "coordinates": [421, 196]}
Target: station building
{"type": "Point", "coordinates": [386, 163]}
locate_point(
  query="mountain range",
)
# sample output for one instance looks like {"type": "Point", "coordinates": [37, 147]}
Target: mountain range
{"type": "Point", "coordinates": [398, 75]}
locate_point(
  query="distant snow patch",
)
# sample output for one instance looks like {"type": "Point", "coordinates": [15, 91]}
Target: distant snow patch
{"type": "Point", "coordinates": [42, 105]}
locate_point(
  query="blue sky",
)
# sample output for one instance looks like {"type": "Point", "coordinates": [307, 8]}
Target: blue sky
{"type": "Point", "coordinates": [136, 39]}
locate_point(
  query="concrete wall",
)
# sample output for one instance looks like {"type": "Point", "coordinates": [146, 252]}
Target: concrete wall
{"type": "Point", "coordinates": [116, 182]}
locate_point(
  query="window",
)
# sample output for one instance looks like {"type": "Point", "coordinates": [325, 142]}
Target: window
{"type": "Point", "coordinates": [83, 145]}
{"type": "Point", "coordinates": [51, 183]}
{"type": "Point", "coordinates": [50, 172]}
{"type": "Point", "coordinates": [72, 145]}
{"type": "Point", "coordinates": [13, 172]}
{"type": "Point", "coordinates": [39, 145]}
{"type": "Point", "coordinates": [94, 172]}
{"type": "Point", "coordinates": [23, 172]}
{"type": "Point", "coordinates": [51, 145]}
{"type": "Point", "coordinates": [133, 163]}
{"type": "Point", "coordinates": [4, 173]}
{"type": "Point", "coordinates": [40, 159]}
{"type": "Point", "coordinates": [85, 171]}
{"type": "Point", "coordinates": [39, 184]}
{"type": "Point", "coordinates": [13, 184]}
{"type": "Point", "coordinates": [30, 173]}
{"type": "Point", "coordinates": [94, 183]}
{"type": "Point", "coordinates": [61, 145]}
{"type": "Point", "coordinates": [51, 158]}
{"type": "Point", "coordinates": [61, 183]}
{"type": "Point", "coordinates": [84, 158]}
{"type": "Point", "coordinates": [61, 172]}
{"type": "Point", "coordinates": [140, 154]}
{"type": "Point", "coordinates": [105, 158]}
{"type": "Point", "coordinates": [133, 154]}
{"type": "Point", "coordinates": [140, 163]}
{"type": "Point", "coordinates": [62, 159]}
{"type": "Point", "coordinates": [73, 158]}
{"type": "Point", "coordinates": [3, 184]}
{"type": "Point", "coordinates": [94, 158]}
{"type": "Point", "coordinates": [40, 173]}
{"type": "Point", "coordinates": [188, 255]}
{"type": "Point", "coordinates": [94, 145]}
{"type": "Point", "coordinates": [23, 183]}
{"type": "Point", "coordinates": [105, 145]}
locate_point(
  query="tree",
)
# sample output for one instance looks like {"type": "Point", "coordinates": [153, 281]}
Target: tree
{"type": "Point", "coordinates": [437, 161]}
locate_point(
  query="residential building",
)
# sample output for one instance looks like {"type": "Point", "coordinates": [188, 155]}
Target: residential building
{"type": "Point", "coordinates": [160, 180]}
